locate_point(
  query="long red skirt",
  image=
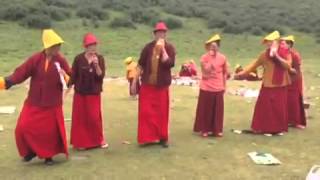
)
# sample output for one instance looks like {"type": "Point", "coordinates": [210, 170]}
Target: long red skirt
{"type": "Point", "coordinates": [296, 113]}
{"type": "Point", "coordinates": [87, 124]}
{"type": "Point", "coordinates": [153, 114]}
{"type": "Point", "coordinates": [271, 111]}
{"type": "Point", "coordinates": [137, 87]}
{"type": "Point", "coordinates": [41, 130]}
{"type": "Point", "coordinates": [210, 111]}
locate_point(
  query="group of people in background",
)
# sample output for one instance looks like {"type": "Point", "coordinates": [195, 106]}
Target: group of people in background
{"type": "Point", "coordinates": [40, 130]}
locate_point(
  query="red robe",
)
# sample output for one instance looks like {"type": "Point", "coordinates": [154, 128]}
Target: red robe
{"type": "Point", "coordinates": [40, 128]}
{"type": "Point", "coordinates": [87, 123]}
{"type": "Point", "coordinates": [270, 113]}
{"type": "Point", "coordinates": [296, 113]}
{"type": "Point", "coordinates": [153, 114]}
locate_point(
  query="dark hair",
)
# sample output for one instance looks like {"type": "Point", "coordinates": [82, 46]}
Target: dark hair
{"type": "Point", "coordinates": [218, 43]}
{"type": "Point", "coordinates": [290, 43]}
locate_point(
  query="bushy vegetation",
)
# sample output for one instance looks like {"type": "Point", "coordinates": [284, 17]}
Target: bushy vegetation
{"type": "Point", "coordinates": [122, 22]}
{"type": "Point", "coordinates": [231, 16]}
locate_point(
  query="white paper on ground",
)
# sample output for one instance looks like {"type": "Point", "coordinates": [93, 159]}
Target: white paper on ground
{"type": "Point", "coordinates": [314, 173]}
{"type": "Point", "coordinates": [263, 158]}
{"type": "Point", "coordinates": [7, 109]}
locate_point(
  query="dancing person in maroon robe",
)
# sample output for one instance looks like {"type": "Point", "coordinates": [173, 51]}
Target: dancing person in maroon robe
{"type": "Point", "coordinates": [88, 71]}
{"type": "Point", "coordinates": [155, 63]}
{"type": "Point", "coordinates": [271, 109]}
{"type": "Point", "coordinates": [40, 129]}
{"type": "Point", "coordinates": [296, 112]}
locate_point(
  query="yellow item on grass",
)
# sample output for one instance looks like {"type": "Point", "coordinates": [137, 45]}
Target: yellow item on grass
{"type": "Point", "coordinates": [2, 83]}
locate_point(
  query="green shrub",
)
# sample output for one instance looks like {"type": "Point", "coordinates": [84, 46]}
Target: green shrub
{"type": "Point", "coordinates": [122, 22]}
{"type": "Point", "coordinates": [91, 12]}
{"type": "Point", "coordinates": [217, 21]}
{"type": "Point", "coordinates": [59, 3]}
{"type": "Point", "coordinates": [256, 30]}
{"type": "Point", "coordinates": [144, 16]}
{"type": "Point", "coordinates": [58, 14]}
{"type": "Point", "coordinates": [36, 21]}
{"type": "Point", "coordinates": [14, 12]}
{"type": "Point", "coordinates": [173, 23]}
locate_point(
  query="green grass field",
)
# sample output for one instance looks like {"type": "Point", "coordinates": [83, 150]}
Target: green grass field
{"type": "Point", "coordinates": [189, 156]}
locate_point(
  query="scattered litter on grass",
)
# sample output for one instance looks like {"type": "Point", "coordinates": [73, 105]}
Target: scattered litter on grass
{"type": "Point", "coordinates": [126, 142]}
{"type": "Point", "coordinates": [245, 131]}
{"type": "Point", "coordinates": [7, 109]}
{"type": "Point", "coordinates": [314, 173]}
{"type": "Point", "coordinates": [67, 119]}
{"type": "Point", "coordinates": [245, 92]}
{"type": "Point", "coordinates": [261, 158]}
{"type": "Point", "coordinates": [184, 81]}
{"type": "Point", "coordinates": [1, 128]}
{"type": "Point", "coordinates": [79, 158]}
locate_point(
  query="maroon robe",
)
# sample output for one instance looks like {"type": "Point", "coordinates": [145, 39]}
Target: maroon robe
{"type": "Point", "coordinates": [40, 128]}
{"type": "Point", "coordinates": [153, 115]}
{"type": "Point", "coordinates": [270, 113]}
{"type": "Point", "coordinates": [87, 123]}
{"type": "Point", "coordinates": [210, 112]}
{"type": "Point", "coordinates": [296, 113]}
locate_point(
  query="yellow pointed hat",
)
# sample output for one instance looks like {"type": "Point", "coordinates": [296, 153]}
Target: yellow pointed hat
{"type": "Point", "coordinates": [214, 38]}
{"type": "Point", "coordinates": [289, 38]}
{"type": "Point", "coordinates": [272, 36]}
{"type": "Point", "coordinates": [50, 38]}
{"type": "Point", "coordinates": [128, 60]}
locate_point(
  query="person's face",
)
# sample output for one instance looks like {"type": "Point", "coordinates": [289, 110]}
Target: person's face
{"type": "Point", "coordinates": [213, 48]}
{"type": "Point", "coordinates": [54, 50]}
{"type": "Point", "coordinates": [160, 35]}
{"type": "Point", "coordinates": [91, 50]}
{"type": "Point", "coordinates": [283, 45]}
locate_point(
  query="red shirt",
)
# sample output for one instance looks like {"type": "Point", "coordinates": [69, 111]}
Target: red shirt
{"type": "Point", "coordinates": [45, 86]}
{"type": "Point", "coordinates": [214, 72]}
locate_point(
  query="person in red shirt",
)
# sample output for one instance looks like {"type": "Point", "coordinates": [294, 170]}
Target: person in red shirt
{"type": "Point", "coordinates": [155, 63]}
{"type": "Point", "coordinates": [210, 108]}
{"type": "Point", "coordinates": [88, 71]}
{"type": "Point", "coordinates": [40, 129]}
{"type": "Point", "coordinates": [296, 112]}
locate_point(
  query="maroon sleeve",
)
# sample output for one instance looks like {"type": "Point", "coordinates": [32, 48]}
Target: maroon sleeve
{"type": "Point", "coordinates": [23, 72]}
{"type": "Point", "coordinates": [296, 61]}
{"type": "Point", "coordinates": [172, 56]}
{"type": "Point", "coordinates": [143, 56]}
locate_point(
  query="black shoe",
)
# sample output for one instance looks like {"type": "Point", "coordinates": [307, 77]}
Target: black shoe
{"type": "Point", "coordinates": [29, 157]}
{"type": "Point", "coordinates": [164, 143]}
{"type": "Point", "coordinates": [48, 161]}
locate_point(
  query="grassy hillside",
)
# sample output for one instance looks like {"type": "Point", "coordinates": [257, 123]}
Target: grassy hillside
{"type": "Point", "coordinates": [116, 44]}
